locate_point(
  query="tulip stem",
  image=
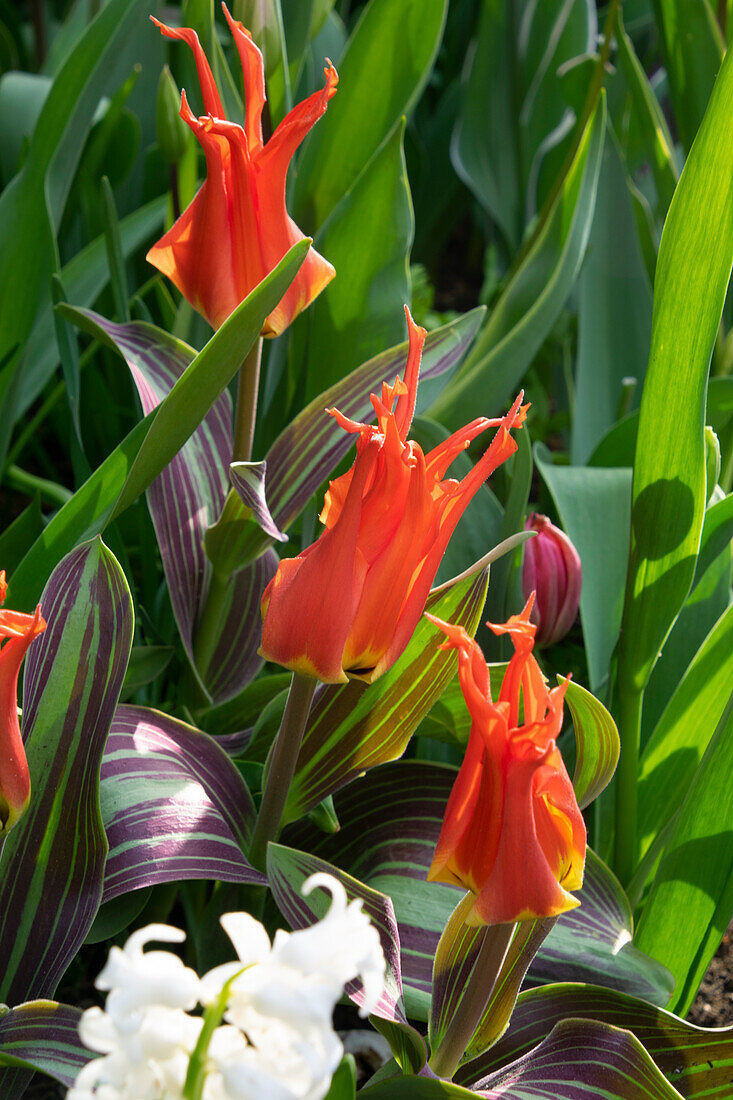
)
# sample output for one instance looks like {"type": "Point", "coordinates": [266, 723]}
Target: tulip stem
{"type": "Point", "coordinates": [246, 411]}
{"type": "Point", "coordinates": [627, 779]}
{"type": "Point", "coordinates": [282, 766]}
{"type": "Point", "coordinates": [209, 628]}
{"type": "Point", "coordinates": [481, 984]}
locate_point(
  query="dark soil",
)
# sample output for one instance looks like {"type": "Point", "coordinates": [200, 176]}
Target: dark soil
{"type": "Point", "coordinates": [713, 1006]}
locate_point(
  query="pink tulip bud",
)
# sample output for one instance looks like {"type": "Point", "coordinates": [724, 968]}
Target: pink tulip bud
{"type": "Point", "coordinates": [552, 569]}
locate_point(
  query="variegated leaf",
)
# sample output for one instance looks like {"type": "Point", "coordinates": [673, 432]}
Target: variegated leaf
{"type": "Point", "coordinates": [45, 1036]}
{"type": "Point", "coordinates": [52, 865]}
{"type": "Point", "coordinates": [174, 805]}
{"type": "Point", "coordinates": [697, 1061]}
{"type": "Point", "coordinates": [352, 728]}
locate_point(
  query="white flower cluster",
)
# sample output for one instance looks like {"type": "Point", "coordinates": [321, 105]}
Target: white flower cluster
{"type": "Point", "coordinates": [278, 1040]}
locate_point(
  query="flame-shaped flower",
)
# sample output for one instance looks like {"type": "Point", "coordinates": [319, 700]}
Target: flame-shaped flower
{"type": "Point", "coordinates": [237, 229]}
{"type": "Point", "coordinates": [17, 631]}
{"type": "Point", "coordinates": [512, 833]}
{"type": "Point", "coordinates": [348, 605]}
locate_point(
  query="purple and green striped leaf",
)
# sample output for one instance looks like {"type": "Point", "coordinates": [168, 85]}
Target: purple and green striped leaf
{"type": "Point", "coordinates": [245, 527]}
{"type": "Point", "coordinates": [174, 805]}
{"type": "Point", "coordinates": [287, 870]}
{"type": "Point", "coordinates": [43, 1036]}
{"type": "Point", "coordinates": [596, 740]}
{"type": "Point", "coordinates": [185, 499]}
{"type": "Point", "coordinates": [352, 728]}
{"type": "Point", "coordinates": [390, 821]}
{"type": "Point", "coordinates": [580, 1059]}
{"type": "Point", "coordinates": [312, 445]}
{"type": "Point", "coordinates": [698, 1061]}
{"type": "Point", "coordinates": [52, 866]}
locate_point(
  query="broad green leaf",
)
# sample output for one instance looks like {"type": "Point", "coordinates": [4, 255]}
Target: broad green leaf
{"type": "Point", "coordinates": [692, 46]}
{"type": "Point", "coordinates": [343, 1082]}
{"type": "Point", "coordinates": [50, 883]}
{"type": "Point", "coordinates": [531, 303]}
{"type": "Point", "coordinates": [32, 204]}
{"type": "Point", "coordinates": [674, 751]}
{"type": "Point", "coordinates": [612, 284]}
{"type": "Point", "coordinates": [367, 238]}
{"type": "Point", "coordinates": [352, 727]}
{"type": "Point", "coordinates": [695, 258]}
{"type": "Point", "coordinates": [387, 62]}
{"type": "Point", "coordinates": [697, 1061]}
{"type": "Point", "coordinates": [596, 740]}
{"type": "Point", "coordinates": [695, 875]}
{"type": "Point", "coordinates": [594, 506]}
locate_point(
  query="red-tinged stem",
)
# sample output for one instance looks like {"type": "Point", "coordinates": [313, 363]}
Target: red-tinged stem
{"type": "Point", "coordinates": [246, 411]}
{"type": "Point", "coordinates": [282, 766]}
{"type": "Point", "coordinates": [489, 961]}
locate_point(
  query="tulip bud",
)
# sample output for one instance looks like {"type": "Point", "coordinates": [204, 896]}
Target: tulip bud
{"type": "Point", "coordinates": [172, 132]}
{"type": "Point", "coordinates": [552, 569]}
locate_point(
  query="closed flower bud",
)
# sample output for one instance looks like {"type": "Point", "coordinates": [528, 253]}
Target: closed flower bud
{"type": "Point", "coordinates": [552, 569]}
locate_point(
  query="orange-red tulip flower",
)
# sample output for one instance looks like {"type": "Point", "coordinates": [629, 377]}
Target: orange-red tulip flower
{"type": "Point", "coordinates": [512, 833]}
{"type": "Point", "coordinates": [237, 229]}
{"type": "Point", "coordinates": [348, 605]}
{"type": "Point", "coordinates": [17, 631]}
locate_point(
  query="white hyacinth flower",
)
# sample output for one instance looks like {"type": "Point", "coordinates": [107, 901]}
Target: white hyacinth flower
{"type": "Point", "coordinates": [278, 1042]}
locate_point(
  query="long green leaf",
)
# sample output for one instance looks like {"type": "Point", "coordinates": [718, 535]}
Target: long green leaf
{"type": "Point", "coordinates": [695, 875]}
{"type": "Point", "coordinates": [387, 62]}
{"type": "Point", "coordinates": [693, 49]}
{"type": "Point", "coordinates": [526, 311]}
{"type": "Point", "coordinates": [695, 258]}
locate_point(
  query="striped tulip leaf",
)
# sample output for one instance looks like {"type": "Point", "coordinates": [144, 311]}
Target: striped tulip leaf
{"type": "Point", "coordinates": [287, 869]}
{"type": "Point", "coordinates": [352, 728]}
{"type": "Point", "coordinates": [390, 821]}
{"type": "Point", "coordinates": [50, 882]}
{"type": "Point", "coordinates": [596, 740]}
{"type": "Point", "coordinates": [174, 805]}
{"type": "Point", "coordinates": [185, 499]}
{"type": "Point", "coordinates": [42, 1036]}
{"type": "Point", "coordinates": [145, 452]}
{"type": "Point", "coordinates": [316, 441]}
{"type": "Point", "coordinates": [245, 527]}
{"type": "Point", "coordinates": [698, 1061]}
{"type": "Point", "coordinates": [577, 1060]}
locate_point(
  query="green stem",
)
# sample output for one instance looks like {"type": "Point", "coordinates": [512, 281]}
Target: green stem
{"type": "Point", "coordinates": [55, 494]}
{"type": "Point", "coordinates": [282, 766]}
{"type": "Point", "coordinates": [208, 631]}
{"type": "Point", "coordinates": [246, 412]}
{"type": "Point", "coordinates": [627, 778]}
{"type": "Point", "coordinates": [486, 970]}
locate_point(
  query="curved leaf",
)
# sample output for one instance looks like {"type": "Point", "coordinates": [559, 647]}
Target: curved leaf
{"type": "Point", "coordinates": [50, 883]}
{"type": "Point", "coordinates": [45, 1036]}
{"type": "Point", "coordinates": [173, 804]}
{"type": "Point", "coordinates": [597, 743]}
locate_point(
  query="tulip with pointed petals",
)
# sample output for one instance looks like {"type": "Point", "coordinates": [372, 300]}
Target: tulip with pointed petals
{"type": "Point", "coordinates": [512, 833]}
{"type": "Point", "coordinates": [237, 229]}
{"type": "Point", "coordinates": [348, 605]}
{"type": "Point", "coordinates": [17, 631]}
